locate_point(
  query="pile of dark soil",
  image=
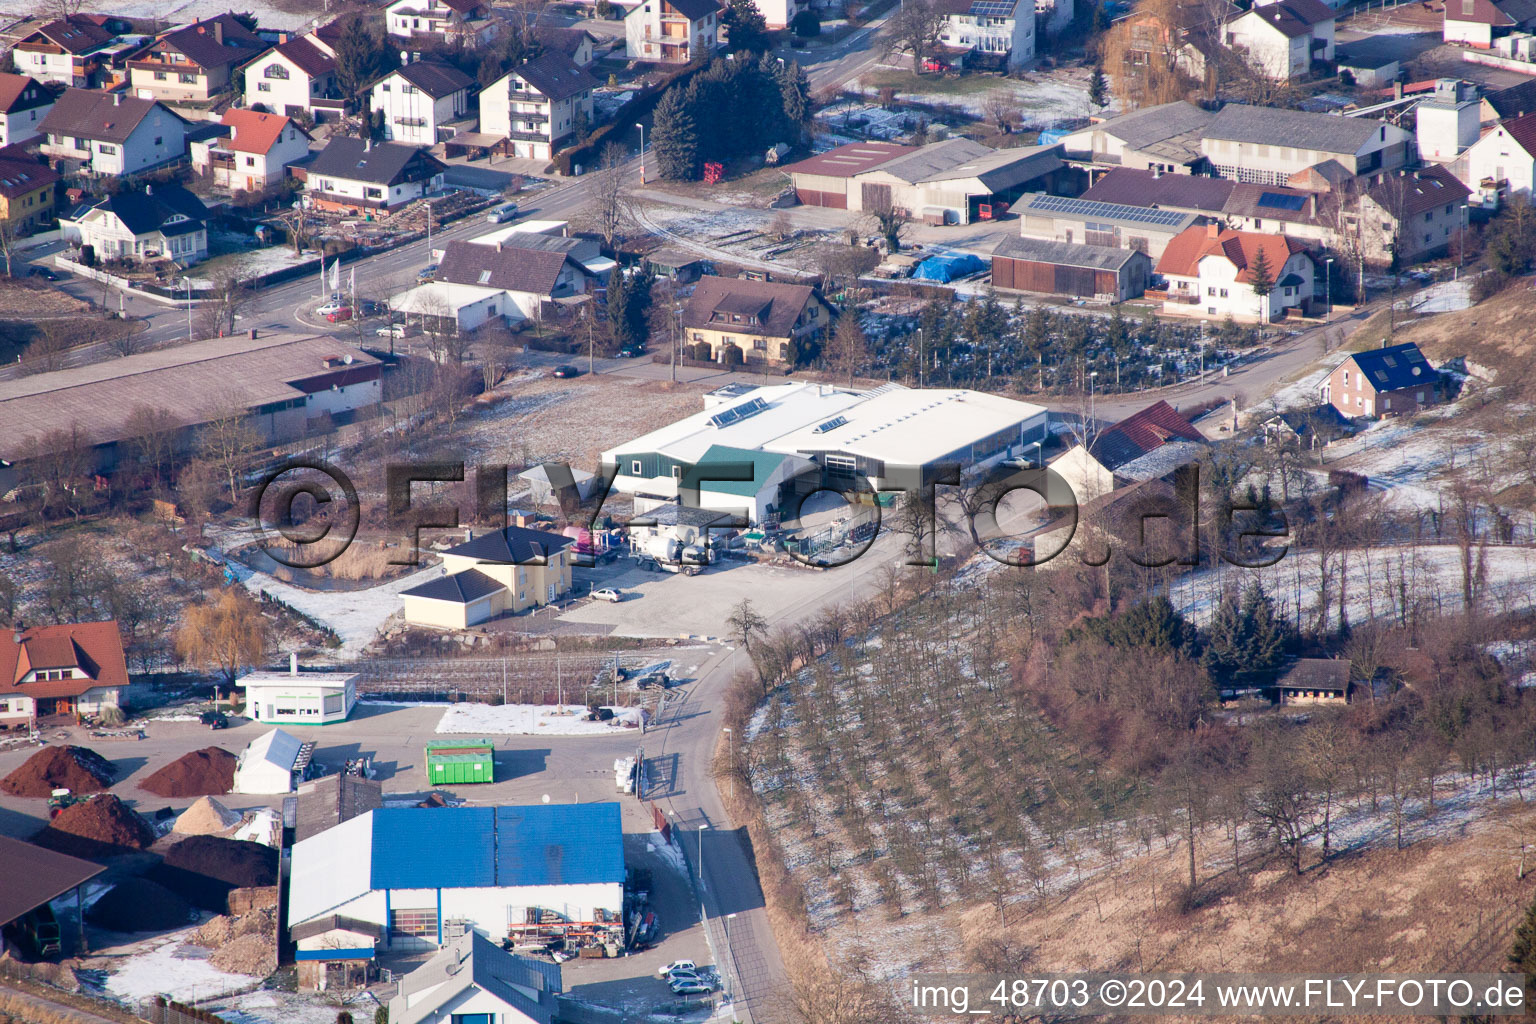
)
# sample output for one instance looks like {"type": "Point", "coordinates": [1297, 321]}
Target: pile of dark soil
{"type": "Point", "coordinates": [78, 769]}
{"type": "Point", "coordinates": [102, 826]}
{"type": "Point", "coordinates": [206, 772]}
{"type": "Point", "coordinates": [139, 905]}
{"type": "Point", "coordinates": [203, 869]}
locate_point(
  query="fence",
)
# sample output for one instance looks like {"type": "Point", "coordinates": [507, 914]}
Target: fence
{"type": "Point", "coordinates": [163, 1011]}
{"type": "Point", "coordinates": [522, 679]}
{"type": "Point", "coordinates": [17, 978]}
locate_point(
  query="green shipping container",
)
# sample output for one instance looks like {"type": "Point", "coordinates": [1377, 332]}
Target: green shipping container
{"type": "Point", "coordinates": [457, 762]}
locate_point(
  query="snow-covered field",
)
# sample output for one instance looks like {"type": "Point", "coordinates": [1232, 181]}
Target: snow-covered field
{"type": "Point", "coordinates": [530, 720]}
{"type": "Point", "coordinates": [180, 11]}
{"type": "Point", "coordinates": [355, 615]}
{"type": "Point", "coordinates": [1444, 297]}
{"type": "Point", "coordinates": [174, 968]}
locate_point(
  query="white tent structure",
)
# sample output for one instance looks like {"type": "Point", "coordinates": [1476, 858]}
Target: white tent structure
{"type": "Point", "coordinates": [266, 766]}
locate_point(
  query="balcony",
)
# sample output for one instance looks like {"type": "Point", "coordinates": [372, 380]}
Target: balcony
{"type": "Point", "coordinates": [521, 136]}
{"type": "Point", "coordinates": [528, 117]}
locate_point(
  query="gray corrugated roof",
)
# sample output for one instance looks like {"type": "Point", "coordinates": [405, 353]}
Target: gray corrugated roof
{"type": "Point", "coordinates": [458, 588]}
{"type": "Point", "coordinates": [1328, 133]}
{"type": "Point", "coordinates": [1066, 254]}
{"type": "Point", "coordinates": [1142, 128]}
{"type": "Point", "coordinates": [473, 960]}
{"type": "Point", "coordinates": [1006, 168]}
{"type": "Point", "coordinates": [932, 161]}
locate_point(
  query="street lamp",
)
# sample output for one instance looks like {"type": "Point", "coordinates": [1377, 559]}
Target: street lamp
{"type": "Point", "coordinates": [730, 745]}
{"type": "Point", "coordinates": [702, 884]}
{"type": "Point", "coordinates": [1091, 415]}
{"type": "Point", "coordinates": [188, 282]}
{"type": "Point", "coordinates": [729, 959]}
{"type": "Point", "coordinates": [1328, 287]}
{"type": "Point", "coordinates": [642, 151]}
{"type": "Point", "coordinates": [429, 230]}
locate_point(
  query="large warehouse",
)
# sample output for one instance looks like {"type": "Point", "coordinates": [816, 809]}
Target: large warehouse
{"type": "Point", "coordinates": [1061, 268]}
{"type": "Point", "coordinates": [424, 876]}
{"type": "Point", "coordinates": [778, 433]}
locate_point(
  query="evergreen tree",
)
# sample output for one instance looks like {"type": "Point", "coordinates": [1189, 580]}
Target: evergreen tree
{"type": "Point", "coordinates": [746, 26]}
{"type": "Point", "coordinates": [1522, 952]}
{"type": "Point", "coordinates": [1270, 636]}
{"type": "Point", "coordinates": [629, 306]}
{"type": "Point", "coordinates": [795, 98]}
{"type": "Point", "coordinates": [1098, 88]}
{"type": "Point", "coordinates": [1261, 278]}
{"type": "Point", "coordinates": [362, 58]}
{"type": "Point", "coordinates": [1153, 624]}
{"type": "Point", "coordinates": [675, 137]}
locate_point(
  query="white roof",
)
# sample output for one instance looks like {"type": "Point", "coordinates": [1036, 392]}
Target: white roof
{"type": "Point", "coordinates": [302, 679]}
{"type": "Point", "coordinates": [276, 747]}
{"type": "Point", "coordinates": [789, 407]}
{"type": "Point", "coordinates": [908, 425]}
{"type": "Point", "coordinates": [892, 423]}
{"type": "Point", "coordinates": [330, 868]}
{"type": "Point", "coordinates": [527, 227]}
{"type": "Point", "coordinates": [439, 298]}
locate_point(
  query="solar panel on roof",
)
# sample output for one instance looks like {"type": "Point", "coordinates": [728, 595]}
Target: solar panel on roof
{"type": "Point", "coordinates": [1092, 209]}
{"type": "Point", "coordinates": [738, 412]}
{"type": "Point", "coordinates": [1281, 201]}
{"type": "Point", "coordinates": [831, 424]}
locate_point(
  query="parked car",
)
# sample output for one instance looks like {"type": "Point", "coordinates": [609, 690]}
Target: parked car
{"type": "Point", "coordinates": [427, 273]}
{"type": "Point", "coordinates": [368, 307]}
{"type": "Point", "coordinates": [392, 331]}
{"type": "Point", "coordinates": [607, 594]}
{"type": "Point", "coordinates": [214, 719]}
{"type": "Point", "coordinates": [46, 273]}
{"type": "Point", "coordinates": [504, 212]}
{"type": "Point", "coordinates": [632, 351]}
{"type": "Point", "coordinates": [567, 370]}
{"type": "Point", "coordinates": [675, 966]}
{"type": "Point", "coordinates": [331, 307]}
{"type": "Point", "coordinates": [693, 986]}
{"type": "Point", "coordinates": [336, 316]}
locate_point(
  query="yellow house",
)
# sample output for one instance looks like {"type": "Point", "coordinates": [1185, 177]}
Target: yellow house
{"type": "Point", "coordinates": [26, 194]}
{"type": "Point", "coordinates": [503, 572]}
{"type": "Point", "coordinates": [760, 320]}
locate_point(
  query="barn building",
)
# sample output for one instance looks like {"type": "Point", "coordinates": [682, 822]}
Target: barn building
{"type": "Point", "coordinates": [1061, 268]}
{"type": "Point", "coordinates": [1119, 225]}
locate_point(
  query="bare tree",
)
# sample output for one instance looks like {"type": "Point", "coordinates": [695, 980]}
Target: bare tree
{"type": "Point", "coordinates": [847, 349]}
{"type": "Point", "coordinates": [155, 433]}
{"type": "Point", "coordinates": [61, 9]}
{"type": "Point", "coordinates": [608, 194]}
{"type": "Point", "coordinates": [226, 296]}
{"type": "Point", "coordinates": [227, 439]}
{"type": "Point", "coordinates": [48, 350]}
{"type": "Point", "coordinates": [915, 27]}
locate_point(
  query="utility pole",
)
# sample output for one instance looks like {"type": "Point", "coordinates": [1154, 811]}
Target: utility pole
{"type": "Point", "coordinates": [677, 328]}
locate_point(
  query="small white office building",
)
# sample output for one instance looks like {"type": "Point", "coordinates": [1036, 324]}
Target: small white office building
{"type": "Point", "coordinates": [267, 765]}
{"type": "Point", "coordinates": [299, 698]}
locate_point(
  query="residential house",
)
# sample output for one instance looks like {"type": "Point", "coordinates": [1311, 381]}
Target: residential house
{"type": "Point", "coordinates": [995, 33]}
{"type": "Point", "coordinates": [1052, 16]}
{"type": "Point", "coordinates": [160, 222]}
{"type": "Point", "coordinates": [532, 275]}
{"type": "Point", "coordinates": [350, 175]}
{"type": "Point", "coordinates": [23, 105]}
{"type": "Point", "coordinates": [473, 981]}
{"type": "Point", "coordinates": [1316, 680]}
{"type": "Point", "coordinates": [449, 22]}
{"type": "Point", "coordinates": [1410, 216]}
{"type": "Point", "coordinates": [254, 154]}
{"type": "Point", "coordinates": [1283, 38]}
{"type": "Point", "coordinates": [420, 99]}
{"type": "Point", "coordinates": [1064, 268]}
{"type": "Point", "coordinates": [113, 134]}
{"type": "Point", "coordinates": [780, 13]}
{"type": "Point", "coordinates": [195, 63]}
{"type": "Point", "coordinates": [293, 77]}
{"type": "Point", "coordinates": [1168, 50]}
{"type": "Point", "coordinates": [732, 320]}
{"type": "Point", "coordinates": [67, 51]}
{"type": "Point", "coordinates": [76, 668]}
{"type": "Point", "coordinates": [1210, 272]}
{"type": "Point", "coordinates": [1300, 214]}
{"type": "Point", "coordinates": [1502, 104]}
{"type": "Point", "coordinates": [1393, 381]}
{"type": "Point", "coordinates": [1163, 138]}
{"type": "Point", "coordinates": [1503, 161]}
{"type": "Point", "coordinates": [575, 42]}
{"type": "Point", "coordinates": [672, 31]}
{"type": "Point", "coordinates": [1267, 145]}
{"type": "Point", "coordinates": [497, 573]}
{"type": "Point", "coordinates": [28, 193]}
{"type": "Point", "coordinates": [1147, 445]}
{"type": "Point", "coordinates": [537, 106]}
{"type": "Point", "coordinates": [1477, 23]}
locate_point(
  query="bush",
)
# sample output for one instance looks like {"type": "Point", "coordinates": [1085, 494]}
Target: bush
{"type": "Point", "coordinates": [1489, 284]}
{"type": "Point", "coordinates": [806, 24]}
{"type": "Point", "coordinates": [381, 1015]}
{"type": "Point", "coordinates": [112, 716]}
{"type": "Point", "coordinates": [731, 356]}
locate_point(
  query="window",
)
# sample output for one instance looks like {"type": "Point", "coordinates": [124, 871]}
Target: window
{"type": "Point", "coordinates": [412, 922]}
{"type": "Point", "coordinates": [275, 71]}
{"type": "Point", "coordinates": [159, 76]}
{"type": "Point", "coordinates": [250, 161]}
{"type": "Point", "coordinates": [759, 344]}
{"type": "Point", "coordinates": [634, 467]}
{"type": "Point", "coordinates": [677, 472]}
{"type": "Point", "coordinates": [1223, 293]}
{"type": "Point", "coordinates": [1211, 291]}
{"type": "Point", "coordinates": [186, 79]}
{"type": "Point", "coordinates": [263, 86]}
{"type": "Point", "coordinates": [158, 140]}
{"type": "Point", "coordinates": [106, 150]}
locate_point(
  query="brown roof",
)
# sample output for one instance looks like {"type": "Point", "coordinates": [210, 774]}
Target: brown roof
{"type": "Point", "coordinates": [33, 876]}
{"type": "Point", "coordinates": [1324, 177]}
{"type": "Point", "coordinates": [253, 131]}
{"type": "Point", "coordinates": [728, 296]}
{"type": "Point", "coordinates": [1482, 12]}
{"type": "Point", "coordinates": [1142, 432]}
{"type": "Point", "coordinates": [74, 35]}
{"type": "Point", "coordinates": [505, 265]}
{"type": "Point", "coordinates": [100, 116]}
{"type": "Point", "coordinates": [20, 175]}
{"type": "Point", "coordinates": [556, 76]}
{"type": "Point", "coordinates": [1186, 250]}
{"type": "Point", "coordinates": [1294, 18]}
{"type": "Point", "coordinates": [847, 160]}
{"type": "Point", "coordinates": [1171, 191]}
{"type": "Point", "coordinates": [434, 79]}
{"type": "Point", "coordinates": [214, 43]}
{"type": "Point", "coordinates": [1318, 673]}
{"type": "Point", "coordinates": [15, 94]}
{"type": "Point", "coordinates": [333, 800]}
{"type": "Point", "coordinates": [94, 647]}
{"type": "Point", "coordinates": [1522, 129]}
{"type": "Point", "coordinates": [1276, 202]}
{"type": "Point", "coordinates": [565, 39]}
{"type": "Point", "coordinates": [306, 56]}
{"type": "Point", "coordinates": [1410, 193]}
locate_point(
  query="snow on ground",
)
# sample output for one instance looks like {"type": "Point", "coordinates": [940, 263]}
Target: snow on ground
{"type": "Point", "coordinates": [667, 852]}
{"type": "Point", "coordinates": [355, 615]}
{"type": "Point", "coordinates": [1302, 393]}
{"type": "Point", "coordinates": [1443, 297]}
{"type": "Point", "coordinates": [253, 263]}
{"type": "Point", "coordinates": [270, 1006]}
{"type": "Point", "coordinates": [1405, 457]}
{"type": "Point", "coordinates": [173, 968]}
{"type": "Point", "coordinates": [529, 720]}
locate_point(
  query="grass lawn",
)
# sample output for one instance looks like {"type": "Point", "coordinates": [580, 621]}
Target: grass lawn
{"type": "Point", "coordinates": [933, 84]}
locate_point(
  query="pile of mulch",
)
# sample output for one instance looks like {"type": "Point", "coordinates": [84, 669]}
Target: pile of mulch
{"type": "Point", "coordinates": [77, 769]}
{"type": "Point", "coordinates": [203, 869]}
{"type": "Point", "coordinates": [201, 773]}
{"type": "Point", "coordinates": [139, 905]}
{"type": "Point", "coordinates": [205, 817]}
{"type": "Point", "coordinates": [102, 826]}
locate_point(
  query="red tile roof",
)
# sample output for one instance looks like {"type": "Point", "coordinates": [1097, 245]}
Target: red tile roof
{"type": "Point", "coordinates": [94, 647]}
{"type": "Point", "coordinates": [254, 132]}
{"type": "Point", "coordinates": [1183, 255]}
{"type": "Point", "coordinates": [1142, 432]}
{"type": "Point", "coordinates": [847, 160]}
{"type": "Point", "coordinates": [14, 95]}
{"type": "Point", "coordinates": [1522, 129]}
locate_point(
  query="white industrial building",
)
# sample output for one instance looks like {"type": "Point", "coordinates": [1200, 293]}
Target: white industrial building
{"type": "Point", "coordinates": [426, 876]}
{"type": "Point", "coordinates": [299, 698]}
{"type": "Point", "coordinates": [768, 441]}
{"type": "Point", "coordinates": [268, 764]}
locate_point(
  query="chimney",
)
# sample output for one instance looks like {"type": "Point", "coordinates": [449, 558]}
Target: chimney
{"type": "Point", "coordinates": [117, 99]}
{"type": "Point", "coordinates": [293, 663]}
{"type": "Point", "coordinates": [1312, 205]}
{"type": "Point", "coordinates": [218, 32]}
{"type": "Point", "coordinates": [469, 534]}
{"type": "Point", "coordinates": [16, 635]}
{"type": "Point", "coordinates": [1213, 230]}
{"type": "Point", "coordinates": [1397, 90]}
